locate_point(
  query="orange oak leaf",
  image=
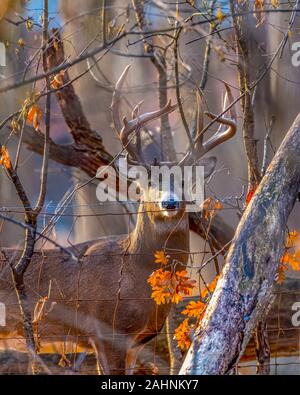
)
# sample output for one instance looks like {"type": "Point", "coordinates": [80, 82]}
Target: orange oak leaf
{"type": "Point", "coordinates": [169, 286]}
{"type": "Point", "coordinates": [4, 158]}
{"type": "Point", "coordinates": [15, 125]}
{"type": "Point", "coordinates": [194, 309]}
{"type": "Point", "coordinates": [185, 284]}
{"type": "Point", "coordinates": [34, 116]}
{"type": "Point", "coordinates": [161, 258]}
{"type": "Point", "coordinates": [183, 334]}
{"type": "Point", "coordinates": [209, 207]}
{"type": "Point", "coordinates": [259, 14]}
{"type": "Point", "coordinates": [292, 238]}
{"type": "Point", "coordinates": [209, 289]}
{"type": "Point", "coordinates": [58, 80]}
{"type": "Point", "coordinates": [291, 257]}
{"type": "Point", "coordinates": [281, 273]}
{"type": "Point", "coordinates": [295, 262]}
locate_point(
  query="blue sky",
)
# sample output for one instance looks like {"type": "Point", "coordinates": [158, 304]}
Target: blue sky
{"type": "Point", "coordinates": [53, 4]}
{"type": "Point", "coordinates": [35, 8]}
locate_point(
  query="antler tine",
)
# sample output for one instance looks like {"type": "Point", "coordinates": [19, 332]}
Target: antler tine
{"type": "Point", "coordinates": [141, 120]}
{"type": "Point", "coordinates": [115, 107]}
{"type": "Point", "coordinates": [135, 111]}
{"type": "Point", "coordinates": [222, 135]}
{"type": "Point", "coordinates": [219, 137]}
{"type": "Point", "coordinates": [115, 103]}
{"type": "Point", "coordinates": [136, 123]}
{"type": "Point", "coordinates": [189, 157]}
{"type": "Point", "coordinates": [232, 111]}
{"type": "Point", "coordinates": [228, 97]}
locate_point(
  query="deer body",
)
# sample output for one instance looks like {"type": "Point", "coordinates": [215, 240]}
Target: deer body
{"type": "Point", "coordinates": [87, 301]}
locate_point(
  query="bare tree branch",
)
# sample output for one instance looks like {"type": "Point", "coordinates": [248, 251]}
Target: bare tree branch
{"type": "Point", "coordinates": [245, 81]}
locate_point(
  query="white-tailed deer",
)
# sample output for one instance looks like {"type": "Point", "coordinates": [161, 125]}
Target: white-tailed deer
{"type": "Point", "coordinates": [104, 301]}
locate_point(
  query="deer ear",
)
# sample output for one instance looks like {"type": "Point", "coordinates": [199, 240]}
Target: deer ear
{"type": "Point", "coordinates": [209, 165]}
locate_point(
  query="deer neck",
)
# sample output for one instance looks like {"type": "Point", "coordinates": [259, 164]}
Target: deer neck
{"type": "Point", "coordinates": [153, 233]}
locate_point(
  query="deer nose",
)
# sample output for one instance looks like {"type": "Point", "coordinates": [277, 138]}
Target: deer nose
{"type": "Point", "coordinates": [170, 203]}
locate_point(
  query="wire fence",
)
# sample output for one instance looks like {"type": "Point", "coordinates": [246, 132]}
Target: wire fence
{"type": "Point", "coordinates": [284, 338]}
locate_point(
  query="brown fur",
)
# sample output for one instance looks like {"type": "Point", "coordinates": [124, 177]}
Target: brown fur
{"type": "Point", "coordinates": [104, 303]}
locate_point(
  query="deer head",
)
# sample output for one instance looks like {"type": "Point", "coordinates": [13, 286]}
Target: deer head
{"type": "Point", "coordinates": [165, 203]}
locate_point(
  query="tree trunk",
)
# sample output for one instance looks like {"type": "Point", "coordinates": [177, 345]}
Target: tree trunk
{"type": "Point", "coordinates": [174, 351]}
{"type": "Point", "coordinates": [244, 291]}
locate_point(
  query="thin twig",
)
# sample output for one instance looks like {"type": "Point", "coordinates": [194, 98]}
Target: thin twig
{"type": "Point", "coordinates": [44, 171]}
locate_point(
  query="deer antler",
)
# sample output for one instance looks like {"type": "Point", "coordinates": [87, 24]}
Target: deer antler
{"type": "Point", "coordinates": [125, 128]}
{"type": "Point", "coordinates": [221, 134]}
{"type": "Point", "coordinates": [141, 120]}
{"type": "Point", "coordinates": [115, 103]}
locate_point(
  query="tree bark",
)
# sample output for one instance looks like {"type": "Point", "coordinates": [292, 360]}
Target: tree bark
{"type": "Point", "coordinates": [262, 349]}
{"type": "Point", "coordinates": [244, 291]}
{"type": "Point", "coordinates": [174, 351]}
{"type": "Point", "coordinates": [245, 53]}
{"type": "Point", "coordinates": [283, 337]}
